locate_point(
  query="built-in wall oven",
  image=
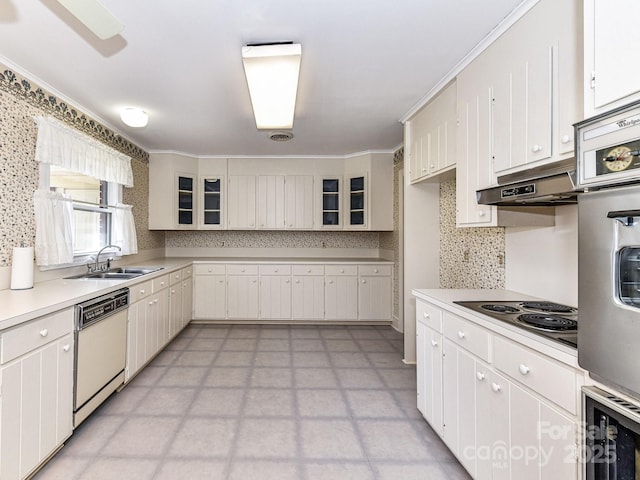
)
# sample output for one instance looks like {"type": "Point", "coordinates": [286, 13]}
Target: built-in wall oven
{"type": "Point", "coordinates": [101, 339]}
{"type": "Point", "coordinates": [608, 161]}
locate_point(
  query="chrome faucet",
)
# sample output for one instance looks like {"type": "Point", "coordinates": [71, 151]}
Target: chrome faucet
{"type": "Point", "coordinates": [95, 266]}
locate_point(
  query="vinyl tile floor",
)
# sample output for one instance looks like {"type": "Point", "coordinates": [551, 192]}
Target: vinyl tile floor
{"type": "Point", "coordinates": [263, 402]}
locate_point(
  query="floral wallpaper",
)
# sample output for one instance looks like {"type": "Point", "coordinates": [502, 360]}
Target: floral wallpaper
{"type": "Point", "coordinates": [469, 257]}
{"type": "Point", "coordinates": [20, 101]}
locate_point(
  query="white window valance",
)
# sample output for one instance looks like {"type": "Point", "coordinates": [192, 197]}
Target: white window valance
{"type": "Point", "coordinates": [68, 148]}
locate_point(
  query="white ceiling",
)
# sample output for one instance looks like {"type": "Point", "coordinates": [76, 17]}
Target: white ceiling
{"type": "Point", "coordinates": [365, 63]}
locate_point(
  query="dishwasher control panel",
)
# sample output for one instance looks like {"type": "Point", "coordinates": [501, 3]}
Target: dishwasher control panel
{"type": "Point", "coordinates": [98, 308]}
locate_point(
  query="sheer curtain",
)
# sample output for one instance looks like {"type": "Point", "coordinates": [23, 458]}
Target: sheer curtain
{"type": "Point", "coordinates": [66, 147]}
{"type": "Point", "coordinates": [60, 145]}
{"type": "Point", "coordinates": [54, 228]}
{"type": "Point", "coordinates": [123, 232]}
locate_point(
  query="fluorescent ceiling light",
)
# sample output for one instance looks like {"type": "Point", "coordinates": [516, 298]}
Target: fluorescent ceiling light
{"type": "Point", "coordinates": [134, 117]}
{"type": "Point", "coordinates": [95, 17]}
{"type": "Point", "coordinates": [272, 76]}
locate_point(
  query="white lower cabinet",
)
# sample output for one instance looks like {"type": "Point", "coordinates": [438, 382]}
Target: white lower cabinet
{"type": "Point", "coordinates": [341, 292]}
{"type": "Point", "coordinates": [242, 292]}
{"type": "Point", "coordinates": [293, 292]}
{"type": "Point", "coordinates": [505, 410]}
{"type": "Point", "coordinates": [36, 406]}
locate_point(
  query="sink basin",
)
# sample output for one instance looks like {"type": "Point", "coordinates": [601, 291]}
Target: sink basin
{"type": "Point", "coordinates": [118, 273]}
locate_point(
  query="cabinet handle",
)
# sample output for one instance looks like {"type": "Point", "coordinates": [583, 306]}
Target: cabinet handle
{"type": "Point", "coordinates": [66, 348]}
{"type": "Point", "coordinates": [565, 138]}
{"type": "Point", "coordinates": [524, 369]}
{"type": "Point", "coordinates": [536, 148]}
{"type": "Point", "coordinates": [461, 334]}
{"type": "Point", "coordinates": [44, 332]}
{"type": "Point", "coordinates": [425, 315]}
{"type": "Point", "coordinates": [496, 387]}
{"type": "Point", "coordinates": [434, 343]}
{"type": "Point", "coordinates": [480, 376]}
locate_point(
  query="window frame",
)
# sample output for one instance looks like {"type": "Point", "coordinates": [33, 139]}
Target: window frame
{"type": "Point", "coordinates": [111, 194]}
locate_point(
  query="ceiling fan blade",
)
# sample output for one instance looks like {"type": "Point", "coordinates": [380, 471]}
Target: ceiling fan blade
{"type": "Point", "coordinates": [95, 17]}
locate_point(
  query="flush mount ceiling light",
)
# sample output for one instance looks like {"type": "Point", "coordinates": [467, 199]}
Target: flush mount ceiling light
{"type": "Point", "coordinates": [134, 117]}
{"type": "Point", "coordinates": [272, 76]}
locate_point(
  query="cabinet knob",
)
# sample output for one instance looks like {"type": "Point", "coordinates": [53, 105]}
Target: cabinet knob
{"type": "Point", "coordinates": [173, 291]}
{"type": "Point", "coordinates": [275, 270]}
{"type": "Point", "coordinates": [155, 301]}
{"type": "Point", "coordinates": [291, 224]}
{"type": "Point", "coordinates": [66, 348]}
{"type": "Point", "coordinates": [308, 270]}
{"type": "Point", "coordinates": [424, 169]}
{"type": "Point", "coordinates": [432, 166]}
{"type": "Point", "coordinates": [220, 281]}
{"type": "Point", "coordinates": [425, 315]}
{"type": "Point", "coordinates": [565, 139]}
{"type": "Point", "coordinates": [330, 281]}
{"type": "Point", "coordinates": [161, 283]}
{"type": "Point", "coordinates": [364, 281]}
{"type": "Point", "coordinates": [142, 292]}
{"type": "Point", "coordinates": [286, 281]}
{"type": "Point", "coordinates": [253, 281]}
{"type": "Point", "coordinates": [434, 343]}
{"type": "Point", "coordinates": [44, 332]}
{"type": "Point", "coordinates": [480, 376]}
{"type": "Point", "coordinates": [536, 148]}
{"type": "Point", "coordinates": [496, 387]}
{"type": "Point", "coordinates": [342, 270]}
{"type": "Point", "coordinates": [297, 281]}
{"type": "Point", "coordinates": [481, 213]}
{"type": "Point", "coordinates": [461, 334]}
{"type": "Point", "coordinates": [524, 369]}
{"type": "Point", "coordinates": [151, 302]}
{"type": "Point", "coordinates": [242, 270]}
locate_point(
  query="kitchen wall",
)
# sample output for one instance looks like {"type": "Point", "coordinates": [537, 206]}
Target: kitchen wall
{"type": "Point", "coordinates": [469, 257]}
{"type": "Point", "coordinates": [20, 100]}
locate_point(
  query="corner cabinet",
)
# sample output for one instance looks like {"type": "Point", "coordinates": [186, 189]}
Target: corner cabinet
{"type": "Point", "coordinates": [505, 409]}
{"type": "Point", "coordinates": [431, 137]}
{"type": "Point", "coordinates": [36, 407]}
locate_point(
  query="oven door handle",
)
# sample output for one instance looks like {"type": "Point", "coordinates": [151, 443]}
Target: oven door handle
{"type": "Point", "coordinates": [626, 217]}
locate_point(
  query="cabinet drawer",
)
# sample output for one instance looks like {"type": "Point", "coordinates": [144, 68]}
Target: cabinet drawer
{"type": "Point", "coordinates": [429, 315]}
{"type": "Point", "coordinates": [160, 283]}
{"type": "Point", "coordinates": [308, 269]}
{"type": "Point", "coordinates": [186, 272]}
{"type": "Point", "coordinates": [175, 277]}
{"type": "Point", "coordinates": [375, 270]}
{"type": "Point", "coordinates": [139, 291]}
{"type": "Point", "coordinates": [275, 269]}
{"type": "Point", "coordinates": [467, 335]}
{"type": "Point", "coordinates": [210, 269]}
{"type": "Point", "coordinates": [34, 334]}
{"type": "Point", "coordinates": [242, 269]}
{"type": "Point", "coordinates": [341, 270]}
{"type": "Point", "coordinates": [542, 374]}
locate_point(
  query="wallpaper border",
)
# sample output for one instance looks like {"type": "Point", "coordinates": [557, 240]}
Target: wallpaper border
{"type": "Point", "coordinates": [22, 88]}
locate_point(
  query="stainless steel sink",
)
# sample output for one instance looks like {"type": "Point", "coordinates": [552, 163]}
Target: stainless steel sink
{"type": "Point", "coordinates": [118, 273]}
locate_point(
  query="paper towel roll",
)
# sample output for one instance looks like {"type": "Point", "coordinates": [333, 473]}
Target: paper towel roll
{"type": "Point", "coordinates": [22, 268]}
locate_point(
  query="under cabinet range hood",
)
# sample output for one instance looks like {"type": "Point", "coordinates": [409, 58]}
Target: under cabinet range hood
{"type": "Point", "coordinates": [547, 185]}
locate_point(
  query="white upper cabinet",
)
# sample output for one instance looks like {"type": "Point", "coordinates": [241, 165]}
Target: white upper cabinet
{"type": "Point", "coordinates": [431, 146]}
{"type": "Point", "coordinates": [271, 193]}
{"type": "Point", "coordinates": [241, 197]}
{"type": "Point", "coordinates": [610, 53]}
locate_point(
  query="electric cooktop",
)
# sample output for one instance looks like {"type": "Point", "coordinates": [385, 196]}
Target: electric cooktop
{"type": "Point", "coordinates": [551, 320]}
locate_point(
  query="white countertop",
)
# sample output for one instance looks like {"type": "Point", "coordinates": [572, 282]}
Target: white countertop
{"type": "Point", "coordinates": [18, 306]}
{"type": "Point", "coordinates": [444, 298]}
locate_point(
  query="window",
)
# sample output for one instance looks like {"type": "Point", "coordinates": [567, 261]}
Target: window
{"type": "Point", "coordinates": [92, 216]}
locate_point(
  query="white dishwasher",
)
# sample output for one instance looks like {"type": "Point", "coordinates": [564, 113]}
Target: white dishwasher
{"type": "Point", "coordinates": [101, 345]}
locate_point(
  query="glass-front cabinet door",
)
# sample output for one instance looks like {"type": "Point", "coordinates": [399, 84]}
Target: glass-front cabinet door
{"type": "Point", "coordinates": [331, 201]}
{"type": "Point", "coordinates": [211, 215]}
{"type": "Point", "coordinates": [185, 199]}
{"type": "Point", "coordinates": [357, 202]}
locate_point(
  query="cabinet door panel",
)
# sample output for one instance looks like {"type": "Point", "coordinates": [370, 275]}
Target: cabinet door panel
{"type": "Point", "coordinates": [299, 201]}
{"type": "Point", "coordinates": [374, 298]}
{"type": "Point", "coordinates": [10, 412]}
{"type": "Point", "coordinates": [559, 438]}
{"type": "Point", "coordinates": [275, 297]}
{"type": "Point", "coordinates": [210, 296]}
{"type": "Point", "coordinates": [307, 301]}
{"type": "Point", "coordinates": [270, 201]}
{"type": "Point", "coordinates": [524, 435]}
{"type": "Point", "coordinates": [242, 297]}
{"type": "Point", "coordinates": [341, 298]}
{"type": "Point", "coordinates": [241, 201]}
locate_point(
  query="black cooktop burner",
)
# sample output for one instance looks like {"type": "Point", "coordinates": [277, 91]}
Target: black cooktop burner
{"type": "Point", "coordinates": [497, 308]}
{"type": "Point", "coordinates": [549, 322]}
{"type": "Point", "coordinates": [549, 307]}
